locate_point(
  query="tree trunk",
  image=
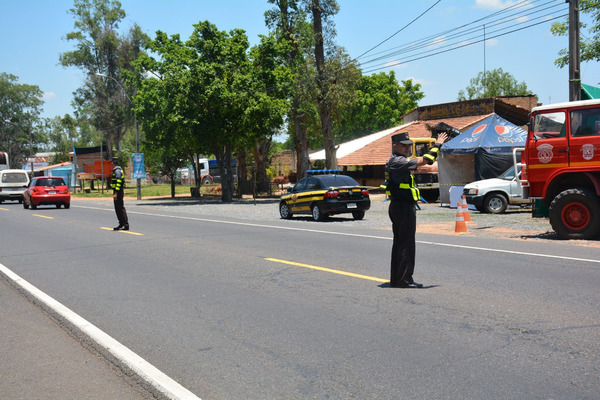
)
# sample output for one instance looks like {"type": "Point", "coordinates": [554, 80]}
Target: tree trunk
{"type": "Point", "coordinates": [244, 185]}
{"type": "Point", "coordinates": [227, 183]}
{"type": "Point", "coordinates": [323, 104]}
{"type": "Point", "coordinates": [260, 158]}
{"type": "Point", "coordinates": [302, 160]}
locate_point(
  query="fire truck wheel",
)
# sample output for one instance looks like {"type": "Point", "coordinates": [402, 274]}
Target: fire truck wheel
{"type": "Point", "coordinates": [575, 214]}
{"type": "Point", "coordinates": [495, 203]}
{"type": "Point", "coordinates": [206, 180]}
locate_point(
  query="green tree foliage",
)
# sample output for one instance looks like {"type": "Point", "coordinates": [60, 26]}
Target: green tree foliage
{"type": "Point", "coordinates": [211, 96]}
{"type": "Point", "coordinates": [20, 108]}
{"type": "Point", "coordinates": [590, 42]}
{"type": "Point", "coordinates": [379, 104]}
{"type": "Point", "coordinates": [492, 84]}
{"type": "Point", "coordinates": [99, 48]}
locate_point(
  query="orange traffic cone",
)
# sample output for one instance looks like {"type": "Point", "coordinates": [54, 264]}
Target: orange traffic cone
{"type": "Point", "coordinates": [460, 226]}
{"type": "Point", "coordinates": [465, 209]}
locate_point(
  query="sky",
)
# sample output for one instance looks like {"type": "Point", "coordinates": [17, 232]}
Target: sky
{"type": "Point", "coordinates": [414, 38]}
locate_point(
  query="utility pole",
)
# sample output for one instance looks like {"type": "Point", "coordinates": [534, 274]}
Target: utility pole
{"type": "Point", "coordinates": [574, 52]}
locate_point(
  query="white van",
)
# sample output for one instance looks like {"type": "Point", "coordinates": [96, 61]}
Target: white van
{"type": "Point", "coordinates": [13, 183]}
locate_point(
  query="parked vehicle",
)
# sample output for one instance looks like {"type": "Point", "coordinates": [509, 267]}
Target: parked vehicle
{"type": "Point", "coordinates": [561, 163]}
{"type": "Point", "coordinates": [323, 193]}
{"type": "Point", "coordinates": [495, 194]}
{"type": "Point", "coordinates": [47, 190]}
{"type": "Point", "coordinates": [13, 183]}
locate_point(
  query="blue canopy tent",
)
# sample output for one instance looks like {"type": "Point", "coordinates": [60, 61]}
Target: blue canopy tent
{"type": "Point", "coordinates": [481, 152]}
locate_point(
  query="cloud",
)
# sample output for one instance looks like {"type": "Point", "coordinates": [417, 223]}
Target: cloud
{"type": "Point", "coordinates": [495, 4]}
{"type": "Point", "coordinates": [395, 64]}
{"type": "Point", "coordinates": [437, 42]}
{"type": "Point", "coordinates": [48, 95]}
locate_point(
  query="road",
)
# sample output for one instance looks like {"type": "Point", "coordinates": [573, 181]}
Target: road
{"type": "Point", "coordinates": [273, 309]}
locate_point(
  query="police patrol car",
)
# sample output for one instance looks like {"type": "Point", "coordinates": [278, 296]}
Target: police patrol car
{"type": "Point", "coordinates": [323, 193]}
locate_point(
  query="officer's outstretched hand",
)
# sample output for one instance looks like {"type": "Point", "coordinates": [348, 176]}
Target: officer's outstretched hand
{"type": "Point", "coordinates": [441, 139]}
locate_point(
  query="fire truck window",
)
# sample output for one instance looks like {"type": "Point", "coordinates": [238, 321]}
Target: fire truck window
{"type": "Point", "coordinates": [549, 125]}
{"type": "Point", "coordinates": [585, 122]}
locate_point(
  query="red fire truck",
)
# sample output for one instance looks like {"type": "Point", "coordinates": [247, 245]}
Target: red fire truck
{"type": "Point", "coordinates": [561, 165]}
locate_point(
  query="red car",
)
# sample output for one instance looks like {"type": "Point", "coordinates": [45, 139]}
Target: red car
{"type": "Point", "coordinates": [44, 190]}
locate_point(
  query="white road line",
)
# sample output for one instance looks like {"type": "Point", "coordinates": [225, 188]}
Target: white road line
{"type": "Point", "coordinates": [216, 221]}
{"type": "Point", "coordinates": [102, 342]}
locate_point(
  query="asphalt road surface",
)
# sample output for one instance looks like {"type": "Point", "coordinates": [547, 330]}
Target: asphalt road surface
{"type": "Point", "coordinates": [251, 308]}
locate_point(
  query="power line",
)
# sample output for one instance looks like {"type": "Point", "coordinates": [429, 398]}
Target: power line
{"type": "Point", "coordinates": [467, 36]}
{"type": "Point", "coordinates": [458, 46]}
{"type": "Point", "coordinates": [400, 30]}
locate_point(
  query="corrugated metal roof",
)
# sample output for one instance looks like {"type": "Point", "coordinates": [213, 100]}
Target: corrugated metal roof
{"type": "Point", "coordinates": [349, 147]}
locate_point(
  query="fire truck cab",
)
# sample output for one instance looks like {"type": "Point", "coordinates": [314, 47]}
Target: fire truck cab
{"type": "Point", "coordinates": [561, 164]}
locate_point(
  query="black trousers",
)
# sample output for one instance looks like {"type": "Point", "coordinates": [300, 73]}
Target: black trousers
{"type": "Point", "coordinates": [404, 225]}
{"type": "Point", "coordinates": [120, 209]}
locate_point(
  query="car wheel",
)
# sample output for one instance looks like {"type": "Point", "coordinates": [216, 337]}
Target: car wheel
{"type": "Point", "coordinates": [575, 214]}
{"type": "Point", "coordinates": [358, 215]}
{"type": "Point", "coordinates": [67, 205]}
{"type": "Point", "coordinates": [284, 211]}
{"type": "Point", "coordinates": [495, 203]}
{"type": "Point", "coordinates": [207, 181]}
{"type": "Point", "coordinates": [317, 214]}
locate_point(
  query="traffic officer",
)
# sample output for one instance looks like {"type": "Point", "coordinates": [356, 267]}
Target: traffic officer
{"type": "Point", "coordinates": [404, 195]}
{"type": "Point", "coordinates": [117, 183]}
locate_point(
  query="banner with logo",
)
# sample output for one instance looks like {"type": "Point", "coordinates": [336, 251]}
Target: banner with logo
{"type": "Point", "coordinates": [139, 169]}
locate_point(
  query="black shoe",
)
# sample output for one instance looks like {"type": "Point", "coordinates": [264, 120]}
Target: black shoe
{"type": "Point", "coordinates": [118, 228]}
{"type": "Point", "coordinates": [126, 228]}
{"type": "Point", "coordinates": [407, 285]}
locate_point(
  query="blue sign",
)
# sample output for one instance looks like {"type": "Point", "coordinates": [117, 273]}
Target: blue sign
{"type": "Point", "coordinates": [139, 170]}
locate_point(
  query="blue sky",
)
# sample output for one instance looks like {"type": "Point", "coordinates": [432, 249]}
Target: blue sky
{"type": "Point", "coordinates": [32, 33]}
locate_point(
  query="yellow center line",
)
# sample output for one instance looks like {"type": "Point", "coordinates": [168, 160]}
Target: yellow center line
{"type": "Point", "coordinates": [4, 209]}
{"type": "Point", "coordinates": [333, 271]}
{"type": "Point", "coordinates": [42, 216]}
{"type": "Point", "coordinates": [122, 231]}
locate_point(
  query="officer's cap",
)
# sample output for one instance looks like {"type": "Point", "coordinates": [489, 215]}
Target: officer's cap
{"type": "Point", "coordinates": [401, 138]}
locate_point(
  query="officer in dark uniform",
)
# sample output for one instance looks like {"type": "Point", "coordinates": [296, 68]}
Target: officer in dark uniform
{"type": "Point", "coordinates": [117, 183]}
{"type": "Point", "coordinates": [403, 194]}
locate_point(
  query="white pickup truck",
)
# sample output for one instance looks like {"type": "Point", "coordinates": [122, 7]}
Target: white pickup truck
{"type": "Point", "coordinates": [495, 194]}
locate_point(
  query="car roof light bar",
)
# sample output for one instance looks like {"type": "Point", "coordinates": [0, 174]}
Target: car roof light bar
{"type": "Point", "coordinates": [322, 171]}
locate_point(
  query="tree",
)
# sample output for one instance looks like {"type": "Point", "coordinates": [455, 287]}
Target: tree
{"type": "Point", "coordinates": [20, 109]}
{"type": "Point", "coordinates": [493, 84]}
{"type": "Point", "coordinates": [288, 22]}
{"type": "Point", "coordinates": [100, 49]}
{"type": "Point", "coordinates": [321, 11]}
{"type": "Point", "coordinates": [268, 102]}
{"type": "Point", "coordinates": [379, 104]}
{"type": "Point", "coordinates": [589, 44]}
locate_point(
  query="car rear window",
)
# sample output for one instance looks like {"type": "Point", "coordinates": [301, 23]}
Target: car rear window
{"type": "Point", "coordinates": [50, 182]}
{"type": "Point", "coordinates": [14, 177]}
{"type": "Point", "coordinates": [337, 180]}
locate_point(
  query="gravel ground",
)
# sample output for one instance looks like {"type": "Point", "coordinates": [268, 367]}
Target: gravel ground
{"type": "Point", "coordinates": [517, 223]}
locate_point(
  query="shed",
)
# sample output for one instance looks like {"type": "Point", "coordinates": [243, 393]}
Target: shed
{"type": "Point", "coordinates": [481, 152]}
